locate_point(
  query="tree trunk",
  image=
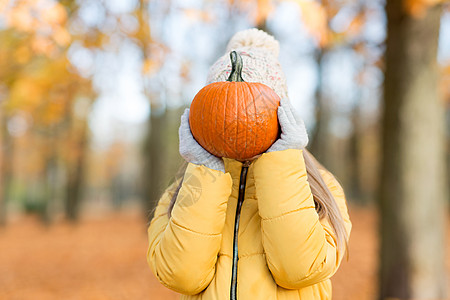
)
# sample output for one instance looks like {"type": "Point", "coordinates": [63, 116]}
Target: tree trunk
{"type": "Point", "coordinates": [2, 166]}
{"type": "Point", "coordinates": [162, 157]}
{"type": "Point", "coordinates": [353, 159]}
{"type": "Point", "coordinates": [5, 168]}
{"type": "Point", "coordinates": [413, 179]}
{"type": "Point", "coordinates": [51, 176]}
{"type": "Point", "coordinates": [320, 137]}
{"type": "Point", "coordinates": [76, 172]}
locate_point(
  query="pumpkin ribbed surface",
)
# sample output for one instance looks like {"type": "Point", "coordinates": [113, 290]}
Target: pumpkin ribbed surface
{"type": "Point", "coordinates": [235, 119]}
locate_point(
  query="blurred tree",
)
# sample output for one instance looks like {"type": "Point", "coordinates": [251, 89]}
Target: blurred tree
{"type": "Point", "coordinates": [413, 179]}
{"type": "Point", "coordinates": [354, 157]}
{"type": "Point", "coordinates": [76, 118]}
{"type": "Point", "coordinates": [161, 143]}
{"type": "Point", "coordinates": [77, 142]}
{"type": "Point", "coordinates": [2, 197]}
{"type": "Point", "coordinates": [49, 177]}
{"type": "Point", "coordinates": [317, 18]}
{"type": "Point", "coordinates": [153, 143]}
{"type": "Point", "coordinates": [40, 83]}
{"type": "Point", "coordinates": [320, 137]}
{"type": "Point", "coordinates": [5, 166]}
{"type": "Point", "coordinates": [163, 160]}
{"type": "Point", "coordinates": [264, 8]}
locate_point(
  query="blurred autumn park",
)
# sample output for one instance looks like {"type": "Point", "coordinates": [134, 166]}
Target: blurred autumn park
{"type": "Point", "coordinates": [91, 94]}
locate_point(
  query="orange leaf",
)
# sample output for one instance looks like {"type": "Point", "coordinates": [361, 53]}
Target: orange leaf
{"type": "Point", "coordinates": [265, 7]}
{"type": "Point", "coordinates": [55, 15]}
{"type": "Point", "coordinates": [198, 15]}
{"type": "Point", "coordinates": [150, 66]}
{"type": "Point", "coordinates": [418, 8]}
{"type": "Point", "coordinates": [314, 16]}
{"type": "Point", "coordinates": [20, 18]}
{"type": "Point", "coordinates": [42, 45]}
{"type": "Point", "coordinates": [61, 36]}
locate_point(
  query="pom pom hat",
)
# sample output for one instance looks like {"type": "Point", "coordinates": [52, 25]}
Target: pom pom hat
{"type": "Point", "coordinates": [259, 52]}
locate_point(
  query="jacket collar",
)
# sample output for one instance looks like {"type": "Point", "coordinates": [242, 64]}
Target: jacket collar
{"type": "Point", "coordinates": [234, 167]}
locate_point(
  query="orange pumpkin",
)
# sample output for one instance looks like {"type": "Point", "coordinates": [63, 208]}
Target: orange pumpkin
{"type": "Point", "coordinates": [233, 118]}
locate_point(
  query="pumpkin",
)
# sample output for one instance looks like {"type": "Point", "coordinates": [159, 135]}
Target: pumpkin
{"type": "Point", "coordinates": [234, 118]}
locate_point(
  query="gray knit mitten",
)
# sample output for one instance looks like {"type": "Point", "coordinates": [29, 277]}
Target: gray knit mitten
{"type": "Point", "coordinates": [293, 130]}
{"type": "Point", "coordinates": [192, 152]}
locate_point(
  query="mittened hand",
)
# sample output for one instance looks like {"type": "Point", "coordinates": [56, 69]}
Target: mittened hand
{"type": "Point", "coordinates": [191, 151]}
{"type": "Point", "coordinates": [293, 130]}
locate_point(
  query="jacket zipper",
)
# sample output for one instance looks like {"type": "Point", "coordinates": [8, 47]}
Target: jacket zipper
{"type": "Point", "coordinates": [242, 182]}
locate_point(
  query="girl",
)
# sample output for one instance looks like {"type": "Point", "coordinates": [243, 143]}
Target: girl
{"type": "Point", "coordinates": [275, 227]}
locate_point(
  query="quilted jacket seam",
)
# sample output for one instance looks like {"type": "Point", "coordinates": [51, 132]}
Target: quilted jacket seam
{"type": "Point", "coordinates": [196, 232]}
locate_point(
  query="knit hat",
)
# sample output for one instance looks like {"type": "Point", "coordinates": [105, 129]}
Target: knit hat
{"type": "Point", "coordinates": [259, 52]}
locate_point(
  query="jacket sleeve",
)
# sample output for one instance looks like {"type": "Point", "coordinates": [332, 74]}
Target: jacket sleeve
{"type": "Point", "coordinates": [300, 249]}
{"type": "Point", "coordinates": [183, 249]}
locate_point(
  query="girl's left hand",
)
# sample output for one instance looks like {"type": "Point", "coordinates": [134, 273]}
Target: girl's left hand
{"type": "Point", "coordinates": [293, 130]}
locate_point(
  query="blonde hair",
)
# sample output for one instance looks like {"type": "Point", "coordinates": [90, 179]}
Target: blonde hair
{"type": "Point", "coordinates": [325, 203]}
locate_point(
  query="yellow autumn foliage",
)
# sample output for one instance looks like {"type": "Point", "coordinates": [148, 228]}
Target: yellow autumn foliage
{"type": "Point", "coordinates": [418, 8]}
{"type": "Point", "coordinates": [26, 93]}
{"type": "Point", "coordinates": [54, 15]}
{"type": "Point", "coordinates": [314, 17]}
{"type": "Point", "coordinates": [22, 55]}
{"type": "Point", "coordinates": [45, 20]}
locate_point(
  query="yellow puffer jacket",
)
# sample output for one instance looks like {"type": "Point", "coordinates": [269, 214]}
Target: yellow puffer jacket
{"type": "Point", "coordinates": [285, 252]}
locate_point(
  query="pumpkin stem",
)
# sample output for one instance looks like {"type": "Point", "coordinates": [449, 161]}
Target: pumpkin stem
{"type": "Point", "coordinates": [236, 67]}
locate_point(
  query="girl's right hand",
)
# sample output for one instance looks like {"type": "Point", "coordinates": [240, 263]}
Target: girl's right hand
{"type": "Point", "coordinates": [293, 130]}
{"type": "Point", "coordinates": [191, 150]}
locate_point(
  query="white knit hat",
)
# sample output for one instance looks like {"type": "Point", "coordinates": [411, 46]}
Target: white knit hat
{"type": "Point", "coordinates": [259, 52]}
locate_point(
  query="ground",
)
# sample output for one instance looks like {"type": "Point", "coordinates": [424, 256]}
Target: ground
{"type": "Point", "coordinates": [104, 258]}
